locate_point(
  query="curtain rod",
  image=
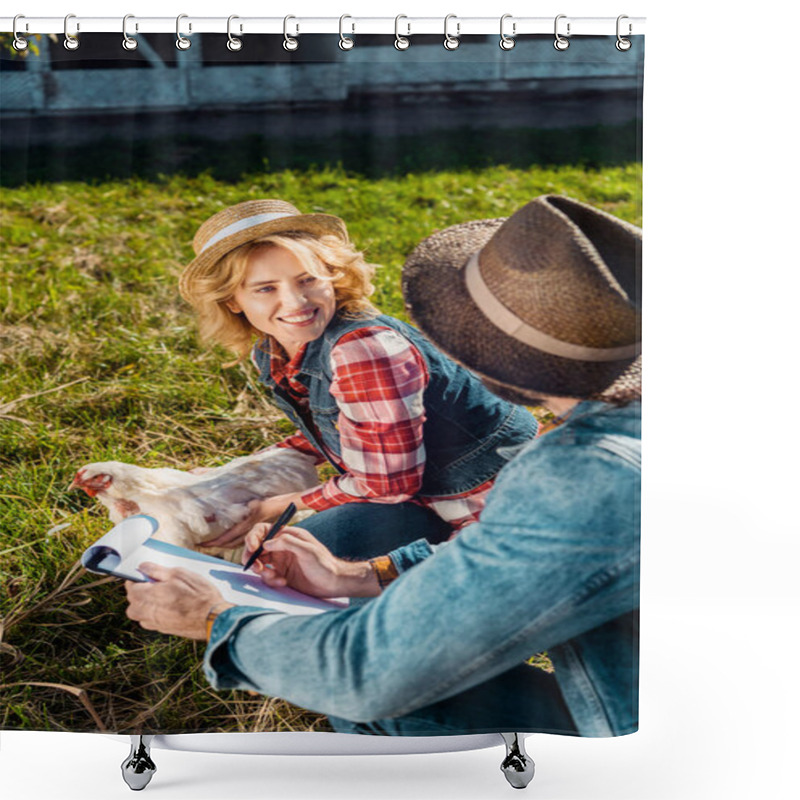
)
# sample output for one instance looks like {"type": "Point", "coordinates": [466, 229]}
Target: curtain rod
{"type": "Point", "coordinates": [347, 25]}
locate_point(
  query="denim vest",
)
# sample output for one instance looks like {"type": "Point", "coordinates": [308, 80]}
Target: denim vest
{"type": "Point", "coordinates": [464, 426]}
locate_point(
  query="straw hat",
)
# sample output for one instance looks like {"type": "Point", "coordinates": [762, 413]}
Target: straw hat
{"type": "Point", "coordinates": [246, 222]}
{"type": "Point", "coordinates": [545, 302]}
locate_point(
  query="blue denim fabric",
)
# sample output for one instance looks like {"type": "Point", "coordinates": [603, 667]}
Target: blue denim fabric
{"type": "Point", "coordinates": [516, 700]}
{"type": "Point", "coordinates": [465, 423]}
{"type": "Point", "coordinates": [552, 565]}
{"type": "Point", "coordinates": [359, 531]}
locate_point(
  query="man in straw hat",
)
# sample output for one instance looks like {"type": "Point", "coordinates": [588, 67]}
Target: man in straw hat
{"type": "Point", "coordinates": [545, 307]}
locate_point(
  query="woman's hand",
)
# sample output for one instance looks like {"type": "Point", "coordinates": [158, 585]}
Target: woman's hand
{"type": "Point", "coordinates": [257, 511]}
{"type": "Point", "coordinates": [177, 602]}
{"type": "Point", "coordinates": [296, 559]}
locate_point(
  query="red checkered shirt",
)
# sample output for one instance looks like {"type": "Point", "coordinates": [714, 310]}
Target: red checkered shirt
{"type": "Point", "coordinates": [379, 379]}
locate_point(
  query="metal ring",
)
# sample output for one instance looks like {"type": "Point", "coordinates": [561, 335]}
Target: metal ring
{"type": "Point", "coordinates": [233, 44]}
{"type": "Point", "coordinates": [290, 43]}
{"type": "Point", "coordinates": [401, 42]}
{"type": "Point", "coordinates": [181, 42]}
{"type": "Point", "coordinates": [345, 42]}
{"type": "Point", "coordinates": [623, 44]}
{"type": "Point", "coordinates": [71, 42]}
{"type": "Point", "coordinates": [561, 43]}
{"type": "Point", "coordinates": [20, 43]}
{"type": "Point", "coordinates": [507, 42]}
{"type": "Point", "coordinates": [128, 42]}
{"type": "Point", "coordinates": [451, 42]}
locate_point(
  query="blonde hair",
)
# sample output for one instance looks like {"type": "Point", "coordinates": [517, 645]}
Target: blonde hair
{"type": "Point", "coordinates": [327, 257]}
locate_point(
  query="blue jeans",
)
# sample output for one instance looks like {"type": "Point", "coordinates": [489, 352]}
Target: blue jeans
{"type": "Point", "coordinates": [360, 531]}
{"type": "Point", "coordinates": [524, 698]}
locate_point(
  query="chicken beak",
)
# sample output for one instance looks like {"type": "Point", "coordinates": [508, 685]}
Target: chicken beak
{"type": "Point", "coordinates": [92, 485]}
{"type": "Point", "coordinates": [76, 484]}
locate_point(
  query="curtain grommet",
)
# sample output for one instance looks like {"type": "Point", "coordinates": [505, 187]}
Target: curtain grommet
{"type": "Point", "coordinates": [622, 44]}
{"type": "Point", "coordinates": [71, 42]}
{"type": "Point", "coordinates": [345, 42]}
{"type": "Point", "coordinates": [129, 43]}
{"type": "Point", "coordinates": [560, 42]}
{"type": "Point", "coordinates": [234, 44]}
{"type": "Point", "coordinates": [181, 42]}
{"type": "Point", "coordinates": [290, 43]}
{"type": "Point", "coordinates": [507, 41]}
{"type": "Point", "coordinates": [20, 43]}
{"type": "Point", "coordinates": [401, 42]}
{"type": "Point", "coordinates": [451, 42]}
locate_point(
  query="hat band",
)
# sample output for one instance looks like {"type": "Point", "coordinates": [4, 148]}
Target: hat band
{"type": "Point", "coordinates": [510, 324]}
{"type": "Point", "coordinates": [241, 225]}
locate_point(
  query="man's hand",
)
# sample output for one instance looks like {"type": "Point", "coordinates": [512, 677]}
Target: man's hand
{"type": "Point", "coordinates": [257, 511]}
{"type": "Point", "coordinates": [177, 602]}
{"type": "Point", "coordinates": [296, 559]}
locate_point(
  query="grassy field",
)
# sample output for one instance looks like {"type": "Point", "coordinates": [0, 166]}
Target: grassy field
{"type": "Point", "coordinates": [100, 361]}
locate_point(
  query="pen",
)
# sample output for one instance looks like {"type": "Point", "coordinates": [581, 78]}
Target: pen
{"type": "Point", "coordinates": [287, 514]}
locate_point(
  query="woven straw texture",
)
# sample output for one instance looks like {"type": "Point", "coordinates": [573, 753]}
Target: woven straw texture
{"type": "Point", "coordinates": [565, 268]}
{"type": "Point", "coordinates": [206, 260]}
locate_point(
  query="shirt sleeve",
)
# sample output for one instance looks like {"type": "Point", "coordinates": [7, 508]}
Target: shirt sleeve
{"type": "Point", "coordinates": [379, 381]}
{"type": "Point", "coordinates": [410, 555]}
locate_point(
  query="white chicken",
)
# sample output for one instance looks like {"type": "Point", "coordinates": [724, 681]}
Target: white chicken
{"type": "Point", "coordinates": [192, 507]}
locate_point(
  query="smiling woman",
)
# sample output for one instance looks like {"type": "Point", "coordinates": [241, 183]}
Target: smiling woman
{"type": "Point", "coordinates": [225, 244]}
{"type": "Point", "coordinates": [412, 435]}
{"type": "Point", "coordinates": [282, 295]}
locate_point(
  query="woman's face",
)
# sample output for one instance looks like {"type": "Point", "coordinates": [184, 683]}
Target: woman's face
{"type": "Point", "coordinates": [280, 298]}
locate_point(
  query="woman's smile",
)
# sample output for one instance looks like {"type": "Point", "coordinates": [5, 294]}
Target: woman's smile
{"type": "Point", "coordinates": [282, 298]}
{"type": "Point", "coordinates": [303, 318]}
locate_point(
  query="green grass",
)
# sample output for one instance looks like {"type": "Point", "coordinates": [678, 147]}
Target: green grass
{"type": "Point", "coordinates": [99, 360]}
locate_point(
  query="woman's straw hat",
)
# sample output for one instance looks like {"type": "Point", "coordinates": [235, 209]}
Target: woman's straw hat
{"type": "Point", "coordinates": [246, 222]}
{"type": "Point", "coordinates": [545, 302]}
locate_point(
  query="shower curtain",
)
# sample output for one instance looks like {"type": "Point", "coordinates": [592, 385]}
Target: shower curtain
{"type": "Point", "coordinates": [111, 159]}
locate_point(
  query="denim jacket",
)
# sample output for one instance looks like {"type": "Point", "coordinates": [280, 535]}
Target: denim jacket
{"type": "Point", "coordinates": [552, 565]}
{"type": "Point", "coordinates": [465, 423]}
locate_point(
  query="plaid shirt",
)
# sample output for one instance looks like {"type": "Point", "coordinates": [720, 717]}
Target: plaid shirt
{"type": "Point", "coordinates": [379, 381]}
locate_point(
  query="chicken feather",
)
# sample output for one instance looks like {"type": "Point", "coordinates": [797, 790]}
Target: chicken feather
{"type": "Point", "coordinates": [192, 507]}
